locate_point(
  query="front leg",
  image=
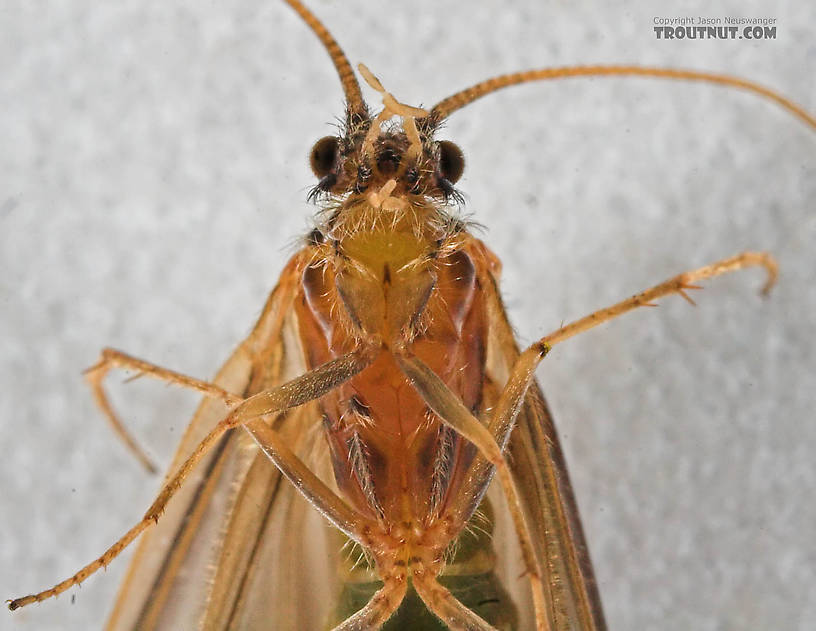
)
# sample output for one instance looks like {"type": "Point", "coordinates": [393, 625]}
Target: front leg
{"type": "Point", "coordinates": [523, 370]}
{"type": "Point", "coordinates": [112, 358]}
{"type": "Point", "coordinates": [488, 439]}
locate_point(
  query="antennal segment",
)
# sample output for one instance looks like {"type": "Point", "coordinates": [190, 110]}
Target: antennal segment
{"type": "Point", "coordinates": [354, 97]}
{"type": "Point", "coordinates": [446, 107]}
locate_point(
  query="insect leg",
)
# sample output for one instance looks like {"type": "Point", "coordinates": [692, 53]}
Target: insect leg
{"type": "Point", "coordinates": [453, 413]}
{"type": "Point", "coordinates": [676, 285]}
{"type": "Point", "coordinates": [380, 608]}
{"type": "Point", "coordinates": [523, 370]}
{"type": "Point", "coordinates": [307, 387]}
{"type": "Point", "coordinates": [445, 605]}
{"type": "Point", "coordinates": [326, 501]}
{"type": "Point", "coordinates": [112, 358]}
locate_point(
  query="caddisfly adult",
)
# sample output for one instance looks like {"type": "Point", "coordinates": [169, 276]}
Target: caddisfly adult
{"type": "Point", "coordinates": [388, 334]}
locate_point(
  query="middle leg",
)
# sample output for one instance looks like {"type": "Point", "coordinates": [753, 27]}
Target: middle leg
{"type": "Point", "coordinates": [380, 608]}
{"type": "Point", "coordinates": [298, 391]}
{"type": "Point", "coordinates": [445, 605]}
{"type": "Point", "coordinates": [450, 409]}
{"type": "Point", "coordinates": [487, 439]}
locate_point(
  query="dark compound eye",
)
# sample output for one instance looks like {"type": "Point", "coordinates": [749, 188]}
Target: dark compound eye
{"type": "Point", "coordinates": [451, 161]}
{"type": "Point", "coordinates": [324, 155]}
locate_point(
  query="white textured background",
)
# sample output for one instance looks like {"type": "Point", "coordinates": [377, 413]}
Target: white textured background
{"type": "Point", "coordinates": [153, 174]}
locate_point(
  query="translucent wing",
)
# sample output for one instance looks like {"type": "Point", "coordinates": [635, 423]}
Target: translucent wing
{"type": "Point", "coordinates": [539, 468]}
{"type": "Point", "coordinates": [274, 563]}
{"type": "Point", "coordinates": [233, 543]}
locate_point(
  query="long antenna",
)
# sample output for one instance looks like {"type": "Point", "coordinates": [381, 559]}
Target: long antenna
{"type": "Point", "coordinates": [354, 97]}
{"type": "Point", "coordinates": [446, 107]}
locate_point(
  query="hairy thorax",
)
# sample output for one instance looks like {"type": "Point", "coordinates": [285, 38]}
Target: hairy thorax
{"type": "Point", "coordinates": [404, 281]}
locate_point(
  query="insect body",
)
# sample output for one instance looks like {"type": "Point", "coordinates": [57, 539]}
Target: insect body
{"type": "Point", "coordinates": [386, 334]}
